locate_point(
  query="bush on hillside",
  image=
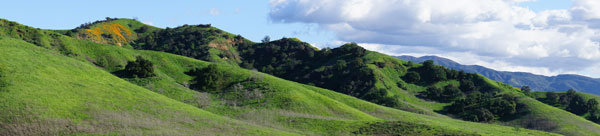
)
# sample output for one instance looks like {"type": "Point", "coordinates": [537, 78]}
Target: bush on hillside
{"type": "Point", "coordinates": [142, 29]}
{"type": "Point", "coordinates": [447, 94]}
{"type": "Point", "coordinates": [380, 96]}
{"type": "Point", "coordinates": [552, 98]}
{"type": "Point", "coordinates": [140, 68]}
{"type": "Point", "coordinates": [526, 90]}
{"type": "Point", "coordinates": [592, 105]}
{"type": "Point", "coordinates": [479, 106]}
{"type": "Point", "coordinates": [594, 116]}
{"type": "Point", "coordinates": [577, 105]}
{"type": "Point", "coordinates": [209, 79]}
{"type": "Point", "coordinates": [574, 103]}
{"type": "Point", "coordinates": [412, 77]}
{"type": "Point", "coordinates": [432, 73]}
{"type": "Point", "coordinates": [479, 115]}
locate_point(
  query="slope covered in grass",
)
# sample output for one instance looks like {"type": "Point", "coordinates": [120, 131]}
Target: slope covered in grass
{"type": "Point", "coordinates": [286, 105]}
{"type": "Point", "coordinates": [47, 93]}
{"type": "Point", "coordinates": [298, 108]}
{"type": "Point", "coordinates": [84, 96]}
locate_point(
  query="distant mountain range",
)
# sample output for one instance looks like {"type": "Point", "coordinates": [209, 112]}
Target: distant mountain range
{"type": "Point", "coordinates": [559, 83]}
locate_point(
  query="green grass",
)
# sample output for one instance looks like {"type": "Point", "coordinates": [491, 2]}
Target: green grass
{"type": "Point", "coordinates": [81, 89]}
{"type": "Point", "coordinates": [50, 94]}
{"type": "Point", "coordinates": [290, 101]}
{"type": "Point", "coordinates": [568, 123]}
{"type": "Point", "coordinates": [88, 87]}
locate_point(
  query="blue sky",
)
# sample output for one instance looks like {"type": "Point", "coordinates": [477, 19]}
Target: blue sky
{"type": "Point", "coordinates": [319, 22]}
{"type": "Point", "coordinates": [540, 5]}
{"type": "Point", "coordinates": [246, 17]}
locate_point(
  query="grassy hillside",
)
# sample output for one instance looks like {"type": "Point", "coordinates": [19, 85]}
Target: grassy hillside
{"type": "Point", "coordinates": [337, 68]}
{"type": "Point", "coordinates": [270, 102]}
{"type": "Point", "coordinates": [50, 94]}
{"type": "Point", "coordinates": [286, 105]}
{"type": "Point", "coordinates": [290, 106]}
{"type": "Point", "coordinates": [582, 104]}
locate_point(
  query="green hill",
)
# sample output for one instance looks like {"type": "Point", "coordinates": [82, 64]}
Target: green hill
{"type": "Point", "coordinates": [46, 93]}
{"type": "Point", "coordinates": [244, 100]}
{"type": "Point", "coordinates": [286, 105]}
{"type": "Point", "coordinates": [80, 101]}
{"type": "Point", "coordinates": [351, 70]}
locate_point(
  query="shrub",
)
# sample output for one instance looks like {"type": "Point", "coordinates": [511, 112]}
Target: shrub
{"type": "Point", "coordinates": [485, 107]}
{"type": "Point", "coordinates": [379, 96]}
{"type": "Point", "coordinates": [431, 73]}
{"type": "Point", "coordinates": [480, 115]}
{"type": "Point", "coordinates": [412, 77]}
{"type": "Point", "coordinates": [467, 86]}
{"type": "Point", "coordinates": [142, 29]}
{"type": "Point", "coordinates": [433, 93]}
{"type": "Point", "coordinates": [448, 94]}
{"type": "Point", "coordinates": [552, 98]}
{"type": "Point", "coordinates": [592, 105]}
{"type": "Point", "coordinates": [594, 116]}
{"type": "Point", "coordinates": [141, 68]}
{"type": "Point", "coordinates": [451, 93]}
{"type": "Point", "coordinates": [209, 79]}
{"type": "Point", "coordinates": [526, 90]}
{"type": "Point", "coordinates": [577, 105]}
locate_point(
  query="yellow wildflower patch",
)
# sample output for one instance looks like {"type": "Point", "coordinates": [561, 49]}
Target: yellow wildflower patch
{"type": "Point", "coordinates": [95, 33]}
{"type": "Point", "coordinates": [118, 32]}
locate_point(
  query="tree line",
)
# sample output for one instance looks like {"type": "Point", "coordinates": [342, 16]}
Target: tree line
{"type": "Point", "coordinates": [574, 103]}
{"type": "Point", "coordinates": [473, 99]}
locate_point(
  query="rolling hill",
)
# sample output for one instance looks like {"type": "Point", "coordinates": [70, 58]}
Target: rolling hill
{"type": "Point", "coordinates": [559, 83]}
{"type": "Point", "coordinates": [47, 76]}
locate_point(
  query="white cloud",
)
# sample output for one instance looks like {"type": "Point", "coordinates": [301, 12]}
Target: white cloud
{"type": "Point", "coordinates": [214, 12]}
{"type": "Point", "coordinates": [509, 36]}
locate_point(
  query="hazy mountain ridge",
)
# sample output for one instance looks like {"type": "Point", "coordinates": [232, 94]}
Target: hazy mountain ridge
{"type": "Point", "coordinates": [559, 83]}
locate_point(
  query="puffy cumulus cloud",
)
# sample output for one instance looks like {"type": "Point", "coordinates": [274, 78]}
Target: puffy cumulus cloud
{"type": "Point", "coordinates": [500, 33]}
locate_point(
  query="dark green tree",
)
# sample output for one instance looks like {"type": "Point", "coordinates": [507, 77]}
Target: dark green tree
{"type": "Point", "coordinates": [412, 77]}
{"type": "Point", "coordinates": [552, 98]}
{"type": "Point", "coordinates": [340, 65]}
{"type": "Point", "coordinates": [451, 93]}
{"type": "Point", "coordinates": [482, 115]}
{"type": "Point", "coordinates": [467, 86]}
{"type": "Point", "coordinates": [141, 68]}
{"type": "Point", "coordinates": [379, 96]}
{"type": "Point", "coordinates": [433, 93]}
{"type": "Point", "coordinates": [431, 73]}
{"type": "Point", "coordinates": [526, 90]}
{"type": "Point", "coordinates": [577, 105]}
{"type": "Point", "coordinates": [592, 105]}
{"type": "Point", "coordinates": [594, 116]}
{"type": "Point", "coordinates": [428, 63]}
{"type": "Point", "coordinates": [209, 79]}
{"type": "Point", "coordinates": [267, 39]}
